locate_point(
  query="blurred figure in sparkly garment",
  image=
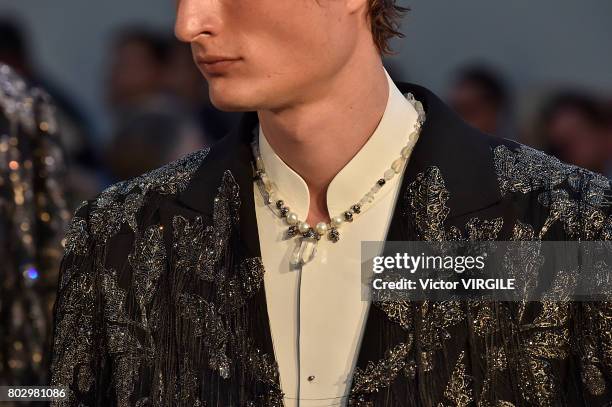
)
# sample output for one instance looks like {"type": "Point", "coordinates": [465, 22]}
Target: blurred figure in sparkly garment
{"type": "Point", "coordinates": [33, 216]}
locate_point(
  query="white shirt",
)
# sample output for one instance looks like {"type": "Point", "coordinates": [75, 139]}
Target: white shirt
{"type": "Point", "coordinates": [316, 312]}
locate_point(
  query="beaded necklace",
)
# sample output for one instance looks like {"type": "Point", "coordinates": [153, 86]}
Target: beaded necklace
{"type": "Point", "coordinates": [311, 235]}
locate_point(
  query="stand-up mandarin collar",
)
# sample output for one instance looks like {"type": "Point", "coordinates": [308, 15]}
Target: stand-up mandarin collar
{"type": "Point", "coordinates": [360, 174]}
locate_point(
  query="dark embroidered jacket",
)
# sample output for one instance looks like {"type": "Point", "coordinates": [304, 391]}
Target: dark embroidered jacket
{"type": "Point", "coordinates": [161, 301]}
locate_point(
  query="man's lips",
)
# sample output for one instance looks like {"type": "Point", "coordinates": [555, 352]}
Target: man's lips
{"type": "Point", "coordinates": [216, 65]}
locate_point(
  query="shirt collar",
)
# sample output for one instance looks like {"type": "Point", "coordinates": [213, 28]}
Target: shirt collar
{"type": "Point", "coordinates": [361, 173]}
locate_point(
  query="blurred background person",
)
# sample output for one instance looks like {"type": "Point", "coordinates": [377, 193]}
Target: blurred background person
{"type": "Point", "coordinates": [83, 176]}
{"type": "Point", "coordinates": [33, 217]}
{"type": "Point", "coordinates": [482, 98]}
{"type": "Point", "coordinates": [574, 127]}
{"type": "Point", "coordinates": [606, 105]}
{"type": "Point", "coordinates": [150, 138]}
{"type": "Point", "coordinates": [159, 103]}
{"type": "Point", "coordinates": [186, 83]}
{"type": "Point", "coordinates": [150, 126]}
{"type": "Point", "coordinates": [138, 60]}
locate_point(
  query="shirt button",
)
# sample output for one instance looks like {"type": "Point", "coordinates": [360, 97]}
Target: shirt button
{"type": "Point", "coordinates": [311, 378]}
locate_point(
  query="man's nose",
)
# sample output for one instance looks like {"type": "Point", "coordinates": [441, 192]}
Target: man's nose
{"type": "Point", "coordinates": [195, 18]}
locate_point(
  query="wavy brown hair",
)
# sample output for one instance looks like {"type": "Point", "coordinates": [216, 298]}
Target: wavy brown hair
{"type": "Point", "coordinates": [384, 17]}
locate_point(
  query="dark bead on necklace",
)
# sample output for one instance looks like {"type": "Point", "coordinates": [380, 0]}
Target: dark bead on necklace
{"type": "Point", "coordinates": [381, 182]}
{"type": "Point", "coordinates": [280, 203]}
{"type": "Point", "coordinates": [292, 231]}
{"type": "Point", "coordinates": [348, 216]}
{"type": "Point", "coordinates": [356, 208]}
{"type": "Point", "coordinates": [333, 235]}
{"type": "Point", "coordinates": [284, 211]}
{"type": "Point", "coordinates": [311, 234]}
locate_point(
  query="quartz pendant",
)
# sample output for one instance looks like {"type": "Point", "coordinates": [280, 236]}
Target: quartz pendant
{"type": "Point", "coordinates": [304, 253]}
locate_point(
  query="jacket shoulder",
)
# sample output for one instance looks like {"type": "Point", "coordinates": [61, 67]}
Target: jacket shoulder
{"type": "Point", "coordinates": [573, 197]}
{"type": "Point", "coordinates": [120, 203]}
{"type": "Point", "coordinates": [523, 169]}
{"type": "Point", "coordinates": [169, 179]}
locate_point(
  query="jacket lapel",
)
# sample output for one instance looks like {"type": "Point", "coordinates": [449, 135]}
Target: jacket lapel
{"type": "Point", "coordinates": [227, 166]}
{"type": "Point", "coordinates": [232, 153]}
{"type": "Point", "coordinates": [461, 153]}
{"type": "Point", "coordinates": [463, 157]}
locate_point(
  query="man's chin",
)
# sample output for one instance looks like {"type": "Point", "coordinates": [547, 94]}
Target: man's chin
{"type": "Point", "coordinates": [229, 99]}
{"type": "Point", "coordinates": [226, 105]}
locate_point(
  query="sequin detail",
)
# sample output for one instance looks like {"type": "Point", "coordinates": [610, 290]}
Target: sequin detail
{"type": "Point", "coordinates": [458, 392]}
{"type": "Point", "coordinates": [378, 375]}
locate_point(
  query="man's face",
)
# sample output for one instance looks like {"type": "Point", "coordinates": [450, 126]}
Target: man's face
{"type": "Point", "coordinates": [269, 54]}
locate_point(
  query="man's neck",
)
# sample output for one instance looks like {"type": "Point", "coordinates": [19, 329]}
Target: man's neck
{"type": "Point", "coordinates": [317, 139]}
